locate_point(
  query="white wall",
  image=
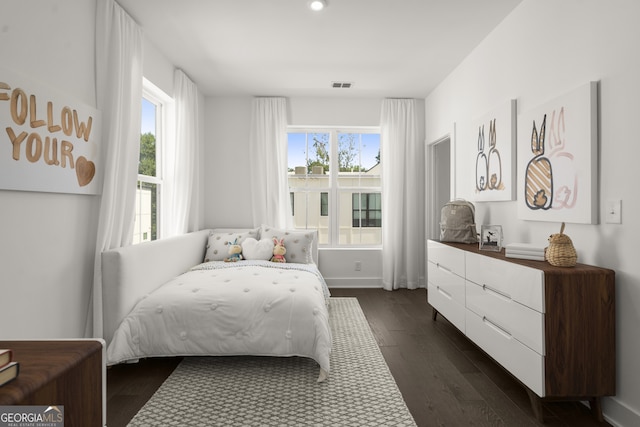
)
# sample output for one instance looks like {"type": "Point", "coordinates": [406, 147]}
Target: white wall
{"type": "Point", "coordinates": [227, 201]}
{"type": "Point", "coordinates": [156, 67]}
{"type": "Point", "coordinates": [544, 49]}
{"type": "Point", "coordinates": [227, 204]}
{"type": "Point", "coordinates": [47, 240]}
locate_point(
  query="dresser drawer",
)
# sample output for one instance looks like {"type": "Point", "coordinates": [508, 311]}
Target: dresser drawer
{"type": "Point", "coordinates": [519, 283]}
{"type": "Point", "coordinates": [451, 283]}
{"type": "Point", "coordinates": [446, 257]}
{"type": "Point", "coordinates": [524, 324]}
{"type": "Point", "coordinates": [524, 363]}
{"type": "Point", "coordinates": [442, 301]}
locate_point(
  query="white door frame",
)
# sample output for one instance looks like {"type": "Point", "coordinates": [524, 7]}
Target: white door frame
{"type": "Point", "coordinates": [432, 208]}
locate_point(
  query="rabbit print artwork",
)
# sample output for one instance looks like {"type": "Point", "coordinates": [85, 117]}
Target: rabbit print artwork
{"type": "Point", "coordinates": [492, 154]}
{"type": "Point", "coordinates": [558, 159]}
{"type": "Point", "coordinates": [482, 165]}
{"type": "Point", "coordinates": [565, 175]}
{"type": "Point", "coordinates": [488, 167]}
{"type": "Point", "coordinates": [494, 166]}
{"type": "Point", "coordinates": [538, 181]}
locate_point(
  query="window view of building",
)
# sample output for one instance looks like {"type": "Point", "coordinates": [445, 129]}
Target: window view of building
{"type": "Point", "coordinates": [334, 179]}
{"type": "Point", "coordinates": [149, 178]}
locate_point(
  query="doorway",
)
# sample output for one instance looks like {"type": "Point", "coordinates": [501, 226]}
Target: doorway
{"type": "Point", "coordinates": [439, 183]}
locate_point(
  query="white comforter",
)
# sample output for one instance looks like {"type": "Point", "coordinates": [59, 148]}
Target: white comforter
{"type": "Point", "coordinates": [244, 308]}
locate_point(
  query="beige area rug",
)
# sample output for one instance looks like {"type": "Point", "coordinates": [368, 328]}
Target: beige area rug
{"type": "Point", "coordinates": [272, 391]}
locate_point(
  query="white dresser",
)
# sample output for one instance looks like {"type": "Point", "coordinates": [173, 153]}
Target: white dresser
{"type": "Point", "coordinates": [552, 328]}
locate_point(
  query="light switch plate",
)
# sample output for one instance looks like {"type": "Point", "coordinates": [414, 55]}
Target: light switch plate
{"type": "Point", "coordinates": [613, 214]}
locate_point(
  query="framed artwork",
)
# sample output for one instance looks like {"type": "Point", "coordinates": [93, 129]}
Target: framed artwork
{"type": "Point", "coordinates": [494, 142]}
{"type": "Point", "coordinates": [557, 159]}
{"type": "Point", "coordinates": [491, 238]}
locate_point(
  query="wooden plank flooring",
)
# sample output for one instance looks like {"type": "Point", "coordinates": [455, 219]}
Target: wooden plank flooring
{"type": "Point", "coordinates": [444, 378]}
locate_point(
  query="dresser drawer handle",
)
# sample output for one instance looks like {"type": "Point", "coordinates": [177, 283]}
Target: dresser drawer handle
{"type": "Point", "coordinates": [496, 327]}
{"type": "Point", "coordinates": [441, 267]}
{"type": "Point", "coordinates": [497, 292]}
{"type": "Point", "coordinates": [443, 292]}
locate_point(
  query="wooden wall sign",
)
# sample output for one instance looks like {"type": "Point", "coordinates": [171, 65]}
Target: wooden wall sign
{"type": "Point", "coordinates": [48, 141]}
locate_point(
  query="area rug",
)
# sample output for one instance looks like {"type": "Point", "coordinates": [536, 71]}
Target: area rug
{"type": "Point", "coordinates": [272, 391]}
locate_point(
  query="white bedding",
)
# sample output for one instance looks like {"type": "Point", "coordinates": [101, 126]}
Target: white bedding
{"type": "Point", "coordinates": [241, 308]}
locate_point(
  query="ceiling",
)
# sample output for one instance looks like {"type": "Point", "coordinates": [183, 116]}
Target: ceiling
{"type": "Point", "coordinates": [385, 48]}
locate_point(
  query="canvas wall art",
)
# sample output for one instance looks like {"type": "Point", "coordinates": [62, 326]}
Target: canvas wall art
{"type": "Point", "coordinates": [48, 141]}
{"type": "Point", "coordinates": [557, 159]}
{"type": "Point", "coordinates": [493, 143]}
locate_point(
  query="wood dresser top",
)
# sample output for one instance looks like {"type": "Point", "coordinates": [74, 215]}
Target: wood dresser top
{"type": "Point", "coordinates": [540, 265]}
{"type": "Point", "coordinates": [41, 362]}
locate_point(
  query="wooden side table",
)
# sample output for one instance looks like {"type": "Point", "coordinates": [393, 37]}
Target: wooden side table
{"type": "Point", "coordinates": [71, 373]}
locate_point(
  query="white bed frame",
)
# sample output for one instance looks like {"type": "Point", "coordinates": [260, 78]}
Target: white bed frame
{"type": "Point", "coordinates": [131, 272]}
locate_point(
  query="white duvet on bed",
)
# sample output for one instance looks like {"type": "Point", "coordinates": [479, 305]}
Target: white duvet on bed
{"type": "Point", "coordinates": [243, 308]}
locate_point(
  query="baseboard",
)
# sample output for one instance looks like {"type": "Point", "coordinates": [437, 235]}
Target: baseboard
{"type": "Point", "coordinates": [354, 282]}
{"type": "Point", "coordinates": [618, 413]}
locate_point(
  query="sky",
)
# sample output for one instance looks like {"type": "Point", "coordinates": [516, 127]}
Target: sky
{"type": "Point", "coordinates": [148, 117]}
{"type": "Point", "coordinates": [298, 141]}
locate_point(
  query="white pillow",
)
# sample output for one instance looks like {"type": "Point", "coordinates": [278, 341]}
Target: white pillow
{"type": "Point", "coordinates": [218, 243]}
{"type": "Point", "coordinates": [257, 249]}
{"type": "Point", "coordinates": [298, 243]}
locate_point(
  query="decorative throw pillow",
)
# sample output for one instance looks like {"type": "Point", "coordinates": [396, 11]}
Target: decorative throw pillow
{"type": "Point", "coordinates": [217, 245]}
{"type": "Point", "coordinates": [257, 249]}
{"type": "Point", "coordinates": [299, 243]}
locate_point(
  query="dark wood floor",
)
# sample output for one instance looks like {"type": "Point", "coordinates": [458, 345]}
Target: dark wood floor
{"type": "Point", "coordinates": [444, 378]}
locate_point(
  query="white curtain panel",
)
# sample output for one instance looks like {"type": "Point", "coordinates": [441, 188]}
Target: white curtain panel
{"type": "Point", "coordinates": [182, 202]}
{"type": "Point", "coordinates": [402, 211]}
{"type": "Point", "coordinates": [119, 97]}
{"type": "Point", "coordinates": [269, 187]}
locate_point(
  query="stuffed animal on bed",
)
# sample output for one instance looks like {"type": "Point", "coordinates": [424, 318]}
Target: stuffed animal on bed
{"type": "Point", "coordinates": [278, 251]}
{"type": "Point", "coordinates": [235, 252]}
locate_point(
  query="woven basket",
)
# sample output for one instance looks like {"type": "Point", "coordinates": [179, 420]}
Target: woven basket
{"type": "Point", "coordinates": [561, 252]}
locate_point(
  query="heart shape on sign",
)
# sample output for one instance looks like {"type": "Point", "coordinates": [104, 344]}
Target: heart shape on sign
{"type": "Point", "coordinates": [85, 170]}
{"type": "Point", "coordinates": [254, 249]}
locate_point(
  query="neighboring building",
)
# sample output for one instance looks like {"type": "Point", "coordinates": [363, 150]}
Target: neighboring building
{"type": "Point", "coordinates": [143, 219]}
{"type": "Point", "coordinates": [359, 213]}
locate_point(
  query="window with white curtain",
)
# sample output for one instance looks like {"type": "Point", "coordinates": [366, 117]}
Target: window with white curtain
{"type": "Point", "coordinates": [155, 104]}
{"type": "Point", "coordinates": [334, 179]}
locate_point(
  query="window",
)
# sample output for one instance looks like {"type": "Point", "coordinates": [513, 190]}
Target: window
{"type": "Point", "coordinates": [149, 184]}
{"type": "Point", "coordinates": [324, 204]}
{"type": "Point", "coordinates": [335, 176]}
{"type": "Point", "coordinates": [367, 210]}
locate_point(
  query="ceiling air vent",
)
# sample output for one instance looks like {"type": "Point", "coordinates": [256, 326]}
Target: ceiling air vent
{"type": "Point", "coordinates": [344, 85]}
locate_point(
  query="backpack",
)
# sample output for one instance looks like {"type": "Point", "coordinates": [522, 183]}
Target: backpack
{"type": "Point", "coordinates": [457, 222]}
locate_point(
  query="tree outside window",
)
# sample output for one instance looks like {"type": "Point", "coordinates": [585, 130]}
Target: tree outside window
{"type": "Point", "coordinates": [327, 168]}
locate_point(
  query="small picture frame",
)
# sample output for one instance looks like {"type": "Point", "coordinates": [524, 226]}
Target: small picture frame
{"type": "Point", "coordinates": [491, 238]}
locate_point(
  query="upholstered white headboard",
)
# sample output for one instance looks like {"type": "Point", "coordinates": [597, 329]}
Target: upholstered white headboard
{"type": "Point", "coordinates": [131, 272]}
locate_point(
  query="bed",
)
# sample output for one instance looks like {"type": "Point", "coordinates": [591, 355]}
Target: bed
{"type": "Point", "coordinates": [179, 297]}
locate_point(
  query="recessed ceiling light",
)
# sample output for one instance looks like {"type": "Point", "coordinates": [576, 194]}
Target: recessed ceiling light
{"type": "Point", "coordinates": [317, 5]}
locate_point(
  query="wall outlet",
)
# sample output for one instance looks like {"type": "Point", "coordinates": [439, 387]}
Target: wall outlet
{"type": "Point", "coordinates": [613, 215]}
{"type": "Point", "coordinates": [358, 265]}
